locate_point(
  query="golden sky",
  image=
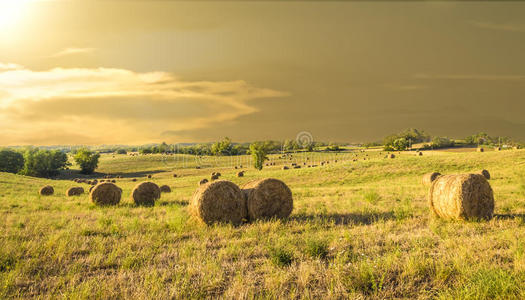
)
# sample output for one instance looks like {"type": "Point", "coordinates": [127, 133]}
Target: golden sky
{"type": "Point", "coordinates": [133, 72]}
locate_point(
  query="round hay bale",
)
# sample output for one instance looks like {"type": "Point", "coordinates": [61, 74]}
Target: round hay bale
{"type": "Point", "coordinates": [480, 149]}
{"type": "Point", "coordinates": [134, 179]}
{"type": "Point", "coordinates": [145, 193]}
{"type": "Point", "coordinates": [174, 175]}
{"type": "Point", "coordinates": [113, 181]}
{"type": "Point", "coordinates": [219, 202]}
{"type": "Point", "coordinates": [391, 155]}
{"type": "Point", "coordinates": [102, 180]}
{"type": "Point", "coordinates": [149, 176]}
{"type": "Point", "coordinates": [75, 191]}
{"type": "Point", "coordinates": [268, 198]}
{"type": "Point", "coordinates": [497, 148]}
{"type": "Point", "coordinates": [485, 174]}
{"type": "Point", "coordinates": [240, 174]}
{"type": "Point", "coordinates": [203, 181]}
{"type": "Point", "coordinates": [46, 190]}
{"type": "Point", "coordinates": [105, 193]}
{"type": "Point", "coordinates": [165, 189]}
{"type": "Point", "coordinates": [94, 182]}
{"type": "Point", "coordinates": [420, 153]}
{"type": "Point", "coordinates": [461, 197]}
{"type": "Point", "coordinates": [214, 177]}
{"type": "Point", "coordinates": [285, 168]}
{"type": "Point", "coordinates": [430, 177]}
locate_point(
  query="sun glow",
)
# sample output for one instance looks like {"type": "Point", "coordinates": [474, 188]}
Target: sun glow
{"type": "Point", "coordinates": [11, 11]}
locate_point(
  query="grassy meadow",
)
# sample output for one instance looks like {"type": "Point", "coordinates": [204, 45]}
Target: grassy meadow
{"type": "Point", "coordinates": [359, 229]}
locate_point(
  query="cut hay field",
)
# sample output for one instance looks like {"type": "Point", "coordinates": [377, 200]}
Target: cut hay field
{"type": "Point", "coordinates": [359, 229]}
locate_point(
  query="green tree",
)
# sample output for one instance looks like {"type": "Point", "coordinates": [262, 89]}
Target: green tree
{"type": "Point", "coordinates": [11, 161]}
{"type": "Point", "coordinates": [223, 147]}
{"type": "Point", "coordinates": [87, 160]}
{"type": "Point", "coordinates": [258, 152]}
{"type": "Point", "coordinates": [122, 151]}
{"type": "Point", "coordinates": [44, 163]}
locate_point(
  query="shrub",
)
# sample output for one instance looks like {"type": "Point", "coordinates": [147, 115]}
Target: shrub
{"type": "Point", "coordinates": [44, 163]}
{"type": "Point", "coordinates": [87, 160]}
{"type": "Point", "coordinates": [258, 151]}
{"type": "Point", "coordinates": [11, 161]}
{"type": "Point", "coordinates": [122, 151]}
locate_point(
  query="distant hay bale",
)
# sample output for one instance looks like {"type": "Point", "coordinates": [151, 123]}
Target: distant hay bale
{"type": "Point", "coordinates": [114, 181]}
{"type": "Point", "coordinates": [485, 174]}
{"type": "Point", "coordinates": [174, 175]}
{"type": "Point", "coordinates": [497, 148]}
{"type": "Point", "coordinates": [480, 149]}
{"type": "Point", "coordinates": [89, 182]}
{"type": "Point", "coordinates": [105, 193]}
{"type": "Point", "coordinates": [296, 167]}
{"type": "Point", "coordinates": [134, 179]}
{"type": "Point", "coordinates": [75, 191]}
{"type": "Point", "coordinates": [391, 155]}
{"type": "Point", "coordinates": [268, 198]}
{"type": "Point", "coordinates": [203, 181]}
{"type": "Point", "coordinates": [240, 174]}
{"type": "Point", "coordinates": [214, 177]}
{"type": "Point", "coordinates": [102, 180]}
{"type": "Point", "coordinates": [219, 202]}
{"type": "Point", "coordinates": [165, 189]}
{"type": "Point", "coordinates": [149, 176]}
{"type": "Point", "coordinates": [285, 168]}
{"type": "Point", "coordinates": [94, 182]}
{"type": "Point", "coordinates": [461, 197]}
{"type": "Point", "coordinates": [430, 177]}
{"type": "Point", "coordinates": [145, 193]}
{"type": "Point", "coordinates": [46, 190]}
{"type": "Point", "coordinates": [420, 153]}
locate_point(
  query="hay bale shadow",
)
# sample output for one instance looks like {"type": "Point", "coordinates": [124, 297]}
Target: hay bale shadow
{"type": "Point", "coordinates": [345, 218]}
{"type": "Point", "coordinates": [509, 217]}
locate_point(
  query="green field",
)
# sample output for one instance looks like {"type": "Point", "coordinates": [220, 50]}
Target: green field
{"type": "Point", "coordinates": [359, 229]}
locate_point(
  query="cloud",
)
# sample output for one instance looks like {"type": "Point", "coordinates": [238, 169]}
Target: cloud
{"type": "Point", "coordinates": [71, 51]}
{"type": "Point", "coordinates": [107, 105]}
{"type": "Point", "coordinates": [495, 26]}
{"type": "Point", "coordinates": [9, 66]}
{"type": "Point", "coordinates": [472, 77]}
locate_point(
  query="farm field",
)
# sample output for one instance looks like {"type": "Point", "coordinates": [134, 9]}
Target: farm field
{"type": "Point", "coordinates": [359, 229]}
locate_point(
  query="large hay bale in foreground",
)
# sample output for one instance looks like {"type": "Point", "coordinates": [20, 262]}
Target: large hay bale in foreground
{"type": "Point", "coordinates": [462, 197]}
{"type": "Point", "coordinates": [430, 177]}
{"type": "Point", "coordinates": [46, 190]}
{"type": "Point", "coordinates": [267, 198]}
{"type": "Point", "coordinates": [145, 193]}
{"type": "Point", "coordinates": [165, 189]}
{"type": "Point", "coordinates": [75, 191]}
{"type": "Point", "coordinates": [485, 174]}
{"type": "Point", "coordinates": [219, 202]}
{"type": "Point", "coordinates": [106, 193]}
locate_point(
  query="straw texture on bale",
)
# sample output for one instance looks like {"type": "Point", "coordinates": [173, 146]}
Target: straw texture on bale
{"type": "Point", "coordinates": [461, 197]}
{"type": "Point", "coordinates": [430, 177]}
{"type": "Point", "coordinates": [145, 193]}
{"type": "Point", "coordinates": [46, 190]}
{"type": "Point", "coordinates": [165, 189]}
{"type": "Point", "coordinates": [485, 174]}
{"type": "Point", "coordinates": [75, 191]}
{"type": "Point", "coordinates": [268, 198]}
{"type": "Point", "coordinates": [220, 201]}
{"type": "Point", "coordinates": [105, 193]}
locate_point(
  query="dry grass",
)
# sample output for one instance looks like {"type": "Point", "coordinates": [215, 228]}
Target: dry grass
{"type": "Point", "coordinates": [359, 230]}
